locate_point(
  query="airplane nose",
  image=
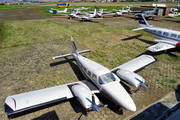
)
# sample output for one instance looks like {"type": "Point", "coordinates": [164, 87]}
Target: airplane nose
{"type": "Point", "coordinates": [132, 107]}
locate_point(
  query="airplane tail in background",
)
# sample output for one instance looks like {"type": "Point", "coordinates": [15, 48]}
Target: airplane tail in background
{"type": "Point", "coordinates": [65, 10]}
{"type": "Point", "coordinates": [94, 12]}
{"type": "Point", "coordinates": [142, 21]}
{"type": "Point", "coordinates": [155, 8]}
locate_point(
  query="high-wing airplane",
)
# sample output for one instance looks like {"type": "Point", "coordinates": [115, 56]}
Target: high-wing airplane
{"type": "Point", "coordinates": [148, 14]}
{"type": "Point", "coordinates": [167, 38]}
{"type": "Point", "coordinates": [99, 80]}
{"type": "Point", "coordinates": [54, 11]}
{"type": "Point", "coordinates": [89, 16]}
{"type": "Point", "coordinates": [63, 5]}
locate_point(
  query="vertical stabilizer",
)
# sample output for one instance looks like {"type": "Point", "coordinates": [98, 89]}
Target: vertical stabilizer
{"type": "Point", "coordinates": [94, 12]}
{"type": "Point", "coordinates": [155, 8]}
{"type": "Point", "coordinates": [74, 46]}
{"type": "Point", "coordinates": [65, 10]}
{"type": "Point", "coordinates": [142, 21]}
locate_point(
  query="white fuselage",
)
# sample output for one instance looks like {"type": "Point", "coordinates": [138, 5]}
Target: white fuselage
{"type": "Point", "coordinates": [164, 34]}
{"type": "Point", "coordinates": [113, 90]}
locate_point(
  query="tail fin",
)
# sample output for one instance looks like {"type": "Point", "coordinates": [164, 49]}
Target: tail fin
{"type": "Point", "coordinates": [142, 21]}
{"type": "Point", "coordinates": [94, 12]}
{"type": "Point", "coordinates": [74, 46]}
{"type": "Point", "coordinates": [65, 10]}
{"type": "Point", "coordinates": [155, 8]}
{"type": "Point", "coordinates": [74, 51]}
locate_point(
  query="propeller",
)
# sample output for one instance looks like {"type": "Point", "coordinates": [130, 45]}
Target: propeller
{"type": "Point", "coordinates": [93, 104]}
{"type": "Point", "coordinates": [141, 85]}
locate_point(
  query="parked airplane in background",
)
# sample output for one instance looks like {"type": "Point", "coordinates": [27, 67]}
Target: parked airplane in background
{"type": "Point", "coordinates": [99, 80]}
{"type": "Point", "coordinates": [89, 16]}
{"type": "Point", "coordinates": [74, 14]}
{"type": "Point", "coordinates": [54, 11]}
{"type": "Point", "coordinates": [63, 5]}
{"type": "Point", "coordinates": [174, 14]}
{"type": "Point", "coordinates": [148, 14]}
{"type": "Point", "coordinates": [130, 6]}
{"type": "Point", "coordinates": [167, 38]}
{"type": "Point", "coordinates": [122, 12]}
{"type": "Point", "coordinates": [82, 8]}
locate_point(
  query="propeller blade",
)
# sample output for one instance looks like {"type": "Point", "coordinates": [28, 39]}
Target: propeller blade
{"type": "Point", "coordinates": [141, 83]}
{"type": "Point", "coordinates": [94, 106]}
{"type": "Point", "coordinates": [144, 85]}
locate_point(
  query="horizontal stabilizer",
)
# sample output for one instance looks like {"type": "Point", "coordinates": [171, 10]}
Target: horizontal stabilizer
{"type": "Point", "coordinates": [142, 28]}
{"type": "Point", "coordinates": [137, 63]}
{"type": "Point", "coordinates": [66, 55]}
{"type": "Point", "coordinates": [160, 47]}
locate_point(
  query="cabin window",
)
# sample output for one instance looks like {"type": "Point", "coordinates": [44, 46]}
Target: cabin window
{"type": "Point", "coordinates": [173, 35]}
{"type": "Point", "coordinates": [166, 34]}
{"type": "Point", "coordinates": [159, 32]}
{"type": "Point", "coordinates": [154, 31]}
{"type": "Point", "coordinates": [178, 36]}
{"type": "Point", "coordinates": [89, 73]}
{"type": "Point", "coordinates": [94, 76]}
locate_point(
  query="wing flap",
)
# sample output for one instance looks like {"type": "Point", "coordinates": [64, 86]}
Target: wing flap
{"type": "Point", "coordinates": [137, 63]}
{"type": "Point", "coordinates": [160, 47]}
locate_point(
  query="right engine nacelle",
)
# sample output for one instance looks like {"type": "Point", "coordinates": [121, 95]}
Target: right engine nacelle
{"type": "Point", "coordinates": [130, 77]}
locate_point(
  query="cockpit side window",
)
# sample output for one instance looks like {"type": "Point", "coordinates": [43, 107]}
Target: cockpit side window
{"type": "Point", "coordinates": [106, 78]}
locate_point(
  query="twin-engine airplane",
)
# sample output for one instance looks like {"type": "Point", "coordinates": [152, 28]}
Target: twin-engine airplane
{"type": "Point", "coordinates": [99, 80]}
{"type": "Point", "coordinates": [148, 14]}
{"type": "Point", "coordinates": [167, 38]}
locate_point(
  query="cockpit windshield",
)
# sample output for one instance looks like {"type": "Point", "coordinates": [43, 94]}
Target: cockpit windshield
{"type": "Point", "coordinates": [106, 78]}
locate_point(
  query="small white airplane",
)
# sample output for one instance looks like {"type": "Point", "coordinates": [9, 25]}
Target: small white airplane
{"type": "Point", "coordinates": [122, 12]}
{"type": "Point", "coordinates": [89, 16]}
{"type": "Point", "coordinates": [148, 14]}
{"type": "Point", "coordinates": [130, 6]}
{"type": "Point", "coordinates": [99, 80]}
{"type": "Point", "coordinates": [80, 8]}
{"type": "Point", "coordinates": [54, 11]}
{"type": "Point", "coordinates": [167, 38]}
{"type": "Point", "coordinates": [74, 14]}
{"type": "Point", "coordinates": [174, 14]}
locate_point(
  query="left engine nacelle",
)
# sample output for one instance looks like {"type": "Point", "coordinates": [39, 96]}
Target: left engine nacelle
{"type": "Point", "coordinates": [130, 77]}
{"type": "Point", "coordinates": [82, 92]}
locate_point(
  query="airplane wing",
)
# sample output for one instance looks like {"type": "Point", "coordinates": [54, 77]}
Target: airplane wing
{"type": "Point", "coordinates": [25, 101]}
{"type": "Point", "coordinates": [137, 63]}
{"type": "Point", "coordinates": [160, 47]}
